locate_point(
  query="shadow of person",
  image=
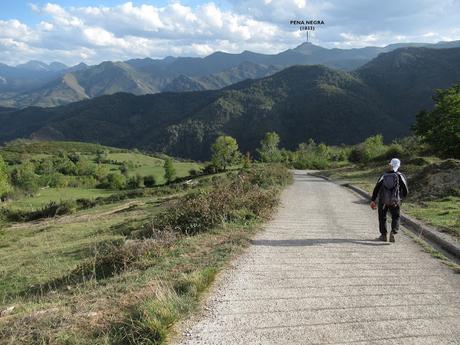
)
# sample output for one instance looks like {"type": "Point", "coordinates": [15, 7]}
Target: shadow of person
{"type": "Point", "coordinates": [361, 202]}
{"type": "Point", "coordinates": [316, 242]}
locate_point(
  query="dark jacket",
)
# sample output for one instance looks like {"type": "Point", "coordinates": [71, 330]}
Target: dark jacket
{"type": "Point", "coordinates": [403, 189]}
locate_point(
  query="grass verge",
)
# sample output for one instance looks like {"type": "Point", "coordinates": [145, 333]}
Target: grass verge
{"type": "Point", "coordinates": [147, 272]}
{"type": "Point", "coordinates": [434, 253]}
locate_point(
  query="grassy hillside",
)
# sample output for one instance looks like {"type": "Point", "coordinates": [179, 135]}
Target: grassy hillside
{"type": "Point", "coordinates": [75, 185]}
{"type": "Point", "coordinates": [95, 264]}
{"type": "Point", "coordinates": [128, 269]}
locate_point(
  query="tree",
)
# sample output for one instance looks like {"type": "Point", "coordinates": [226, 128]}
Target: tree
{"type": "Point", "coordinates": [4, 180]}
{"type": "Point", "coordinates": [101, 156]}
{"type": "Point", "coordinates": [134, 182]}
{"type": "Point", "coordinates": [149, 181]}
{"type": "Point", "coordinates": [24, 177]}
{"type": "Point", "coordinates": [84, 167]}
{"type": "Point", "coordinates": [170, 171]}
{"type": "Point", "coordinates": [115, 181]}
{"type": "Point", "coordinates": [269, 150]}
{"type": "Point", "coordinates": [225, 152]}
{"type": "Point", "coordinates": [101, 172]}
{"type": "Point", "coordinates": [441, 127]}
{"type": "Point", "coordinates": [247, 160]}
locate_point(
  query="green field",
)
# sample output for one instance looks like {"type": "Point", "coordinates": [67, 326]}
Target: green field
{"type": "Point", "coordinates": [44, 196]}
{"type": "Point", "coordinates": [136, 163]}
{"type": "Point", "coordinates": [146, 165]}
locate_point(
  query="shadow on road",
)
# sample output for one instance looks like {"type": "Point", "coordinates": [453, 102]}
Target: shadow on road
{"type": "Point", "coordinates": [316, 242]}
{"type": "Point", "coordinates": [361, 202]}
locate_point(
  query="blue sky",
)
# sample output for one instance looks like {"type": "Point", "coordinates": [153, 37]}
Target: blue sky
{"type": "Point", "coordinates": [96, 30]}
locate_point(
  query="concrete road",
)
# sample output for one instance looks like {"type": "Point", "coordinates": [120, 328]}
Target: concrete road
{"type": "Point", "coordinates": [316, 275]}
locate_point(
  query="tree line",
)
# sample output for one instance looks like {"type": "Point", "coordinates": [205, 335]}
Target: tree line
{"type": "Point", "coordinates": [435, 132]}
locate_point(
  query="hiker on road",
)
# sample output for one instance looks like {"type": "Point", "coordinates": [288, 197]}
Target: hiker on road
{"type": "Point", "coordinates": [391, 187]}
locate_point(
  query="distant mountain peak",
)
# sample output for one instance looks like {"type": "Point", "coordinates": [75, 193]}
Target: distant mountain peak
{"type": "Point", "coordinates": [34, 65]}
{"type": "Point", "coordinates": [308, 48]}
{"type": "Point", "coordinates": [57, 66]}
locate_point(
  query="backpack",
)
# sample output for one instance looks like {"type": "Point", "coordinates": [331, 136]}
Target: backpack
{"type": "Point", "coordinates": [390, 190]}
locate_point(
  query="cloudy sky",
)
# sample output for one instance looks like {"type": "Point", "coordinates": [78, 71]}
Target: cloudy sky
{"type": "Point", "coordinates": [71, 31]}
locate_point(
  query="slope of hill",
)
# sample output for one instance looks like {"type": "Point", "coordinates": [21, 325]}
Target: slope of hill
{"type": "Point", "coordinates": [143, 76]}
{"type": "Point", "coordinates": [411, 74]}
{"type": "Point", "coordinates": [299, 102]}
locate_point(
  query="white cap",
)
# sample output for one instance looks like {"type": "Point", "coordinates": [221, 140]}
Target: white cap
{"type": "Point", "coordinates": [395, 164]}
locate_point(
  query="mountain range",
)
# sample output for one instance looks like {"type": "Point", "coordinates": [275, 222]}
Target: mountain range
{"type": "Point", "coordinates": [56, 84]}
{"type": "Point", "coordinates": [299, 102]}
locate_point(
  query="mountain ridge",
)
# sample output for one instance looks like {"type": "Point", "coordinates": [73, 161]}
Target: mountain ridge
{"type": "Point", "coordinates": [299, 102]}
{"type": "Point", "coordinates": [143, 76]}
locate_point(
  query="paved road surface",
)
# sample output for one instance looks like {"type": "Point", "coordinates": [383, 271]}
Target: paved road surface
{"type": "Point", "coordinates": [315, 275]}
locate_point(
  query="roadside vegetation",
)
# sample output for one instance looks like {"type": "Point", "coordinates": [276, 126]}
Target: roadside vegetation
{"type": "Point", "coordinates": [121, 259]}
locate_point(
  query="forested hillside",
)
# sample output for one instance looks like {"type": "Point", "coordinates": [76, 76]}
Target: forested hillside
{"type": "Point", "coordinates": [299, 102]}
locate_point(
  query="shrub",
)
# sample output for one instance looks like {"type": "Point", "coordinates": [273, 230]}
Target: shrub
{"type": "Point", "coordinates": [4, 179]}
{"type": "Point", "coordinates": [149, 181]}
{"type": "Point", "coordinates": [269, 175]}
{"type": "Point", "coordinates": [24, 177]}
{"type": "Point", "coordinates": [86, 182]}
{"type": "Point", "coordinates": [412, 146]}
{"type": "Point", "coordinates": [84, 167]}
{"type": "Point", "coordinates": [209, 169]}
{"type": "Point", "coordinates": [371, 148]}
{"type": "Point", "coordinates": [135, 182]}
{"type": "Point", "coordinates": [170, 171]}
{"type": "Point", "coordinates": [311, 156]}
{"type": "Point", "coordinates": [113, 181]}
{"type": "Point", "coordinates": [50, 210]}
{"type": "Point", "coordinates": [101, 171]}
{"type": "Point", "coordinates": [393, 151]}
{"type": "Point", "coordinates": [54, 180]}
{"type": "Point", "coordinates": [64, 165]}
{"type": "Point", "coordinates": [124, 169]}
{"type": "Point", "coordinates": [241, 198]}
{"type": "Point", "coordinates": [193, 172]}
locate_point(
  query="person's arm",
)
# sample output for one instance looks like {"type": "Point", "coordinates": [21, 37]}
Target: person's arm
{"type": "Point", "coordinates": [404, 189]}
{"type": "Point", "coordinates": [377, 188]}
{"type": "Point", "coordinates": [376, 192]}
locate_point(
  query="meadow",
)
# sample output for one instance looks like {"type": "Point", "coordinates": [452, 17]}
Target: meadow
{"type": "Point", "coordinates": [123, 265]}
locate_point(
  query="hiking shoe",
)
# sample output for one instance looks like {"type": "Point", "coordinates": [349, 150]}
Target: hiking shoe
{"type": "Point", "coordinates": [382, 238]}
{"type": "Point", "coordinates": [392, 237]}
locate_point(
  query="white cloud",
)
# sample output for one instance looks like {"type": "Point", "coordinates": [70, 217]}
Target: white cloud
{"type": "Point", "coordinates": [359, 40]}
{"type": "Point", "coordinates": [14, 29]}
{"type": "Point", "coordinates": [45, 26]}
{"type": "Point", "coordinates": [127, 30]}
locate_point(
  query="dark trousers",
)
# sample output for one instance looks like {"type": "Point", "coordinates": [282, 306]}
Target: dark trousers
{"type": "Point", "coordinates": [394, 211]}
